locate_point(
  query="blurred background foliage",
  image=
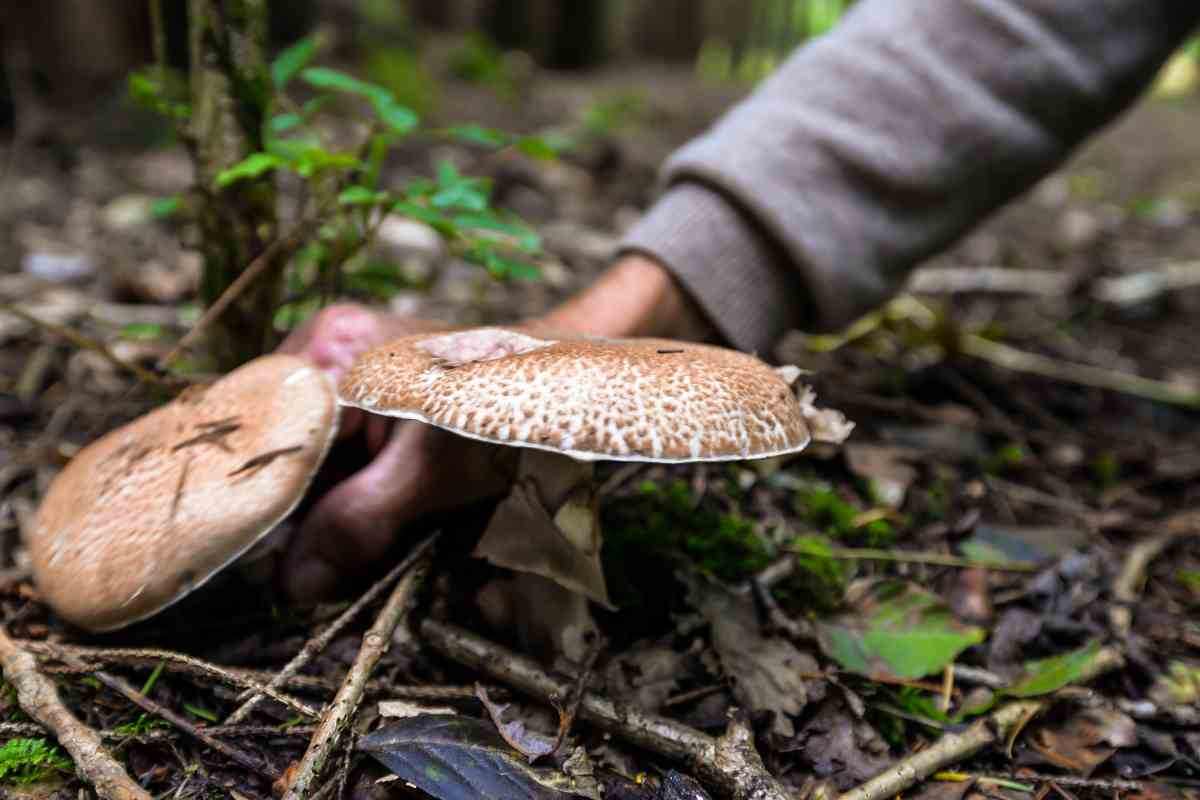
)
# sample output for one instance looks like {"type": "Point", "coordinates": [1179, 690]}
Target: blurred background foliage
{"type": "Point", "coordinates": [493, 42]}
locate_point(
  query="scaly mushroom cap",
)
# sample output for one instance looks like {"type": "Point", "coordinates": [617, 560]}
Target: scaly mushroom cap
{"type": "Point", "coordinates": [621, 400]}
{"type": "Point", "coordinates": [144, 515]}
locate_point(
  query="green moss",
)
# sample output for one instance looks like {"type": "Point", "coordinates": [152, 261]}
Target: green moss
{"type": "Point", "coordinates": [668, 519]}
{"type": "Point", "coordinates": [819, 581]}
{"type": "Point", "coordinates": [24, 761]}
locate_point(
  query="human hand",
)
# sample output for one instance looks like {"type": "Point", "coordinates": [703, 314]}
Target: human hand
{"type": "Point", "coordinates": [409, 470]}
{"type": "Point", "coordinates": [412, 470]}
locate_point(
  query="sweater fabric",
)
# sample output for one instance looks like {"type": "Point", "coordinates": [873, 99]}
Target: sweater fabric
{"type": "Point", "coordinates": [884, 141]}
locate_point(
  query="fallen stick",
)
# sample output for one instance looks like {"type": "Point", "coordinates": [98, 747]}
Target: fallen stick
{"type": "Point", "coordinates": [85, 343]}
{"type": "Point", "coordinates": [1011, 358]}
{"type": "Point", "coordinates": [339, 715]}
{"type": "Point", "coordinates": [999, 727]}
{"type": "Point", "coordinates": [38, 698]}
{"type": "Point", "coordinates": [149, 706]}
{"type": "Point", "coordinates": [319, 642]}
{"type": "Point", "coordinates": [127, 654]}
{"type": "Point", "coordinates": [729, 763]}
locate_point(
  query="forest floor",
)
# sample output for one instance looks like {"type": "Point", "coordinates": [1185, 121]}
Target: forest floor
{"type": "Point", "coordinates": [1011, 499]}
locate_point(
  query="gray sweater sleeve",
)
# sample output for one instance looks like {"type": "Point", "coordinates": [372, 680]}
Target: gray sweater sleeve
{"type": "Point", "coordinates": [885, 140]}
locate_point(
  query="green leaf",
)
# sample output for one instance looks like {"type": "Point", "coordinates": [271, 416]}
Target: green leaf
{"type": "Point", "coordinates": [399, 118]}
{"type": "Point", "coordinates": [429, 216]}
{"type": "Point", "coordinates": [292, 60]}
{"type": "Point", "coordinates": [474, 133]}
{"type": "Point", "coordinates": [282, 123]}
{"type": "Point", "coordinates": [523, 237]}
{"type": "Point", "coordinates": [156, 90]}
{"type": "Point", "coordinates": [252, 166]}
{"type": "Point", "coordinates": [165, 207]}
{"type": "Point", "coordinates": [338, 81]}
{"type": "Point", "coordinates": [361, 196]}
{"type": "Point", "coordinates": [540, 147]}
{"type": "Point", "coordinates": [501, 266]}
{"type": "Point", "coordinates": [1051, 674]}
{"type": "Point", "coordinates": [898, 630]}
{"type": "Point", "coordinates": [202, 713]}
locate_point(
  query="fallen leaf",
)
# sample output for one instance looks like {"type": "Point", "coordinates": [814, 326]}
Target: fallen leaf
{"type": "Point", "coordinates": [522, 536]}
{"type": "Point", "coordinates": [897, 630]}
{"type": "Point", "coordinates": [1086, 740]}
{"type": "Point", "coordinates": [1051, 674]}
{"type": "Point", "coordinates": [765, 672]}
{"type": "Point", "coordinates": [528, 743]}
{"type": "Point", "coordinates": [839, 747]}
{"type": "Point", "coordinates": [459, 758]}
{"type": "Point", "coordinates": [886, 467]}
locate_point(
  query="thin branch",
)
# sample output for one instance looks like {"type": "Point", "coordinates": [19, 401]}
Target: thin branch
{"type": "Point", "coordinates": [85, 343]}
{"type": "Point", "coordinates": [281, 247]}
{"type": "Point", "coordinates": [1011, 358]}
{"type": "Point", "coordinates": [140, 700]}
{"type": "Point", "coordinates": [319, 642]}
{"type": "Point", "coordinates": [998, 728]}
{"type": "Point", "coordinates": [341, 712]}
{"type": "Point", "coordinates": [38, 698]}
{"type": "Point", "coordinates": [932, 559]}
{"type": "Point", "coordinates": [1125, 587]}
{"type": "Point", "coordinates": [729, 763]}
{"type": "Point", "coordinates": [126, 654]}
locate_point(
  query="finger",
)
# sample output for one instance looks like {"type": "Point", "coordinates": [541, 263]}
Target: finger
{"type": "Point", "coordinates": [419, 471]}
{"type": "Point", "coordinates": [356, 522]}
{"type": "Point", "coordinates": [336, 336]}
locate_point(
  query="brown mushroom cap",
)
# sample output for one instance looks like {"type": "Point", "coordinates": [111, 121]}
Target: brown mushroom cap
{"type": "Point", "coordinates": [622, 400]}
{"type": "Point", "coordinates": [150, 511]}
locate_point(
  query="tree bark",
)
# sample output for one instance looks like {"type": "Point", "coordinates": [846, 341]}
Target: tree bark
{"type": "Point", "coordinates": [231, 95]}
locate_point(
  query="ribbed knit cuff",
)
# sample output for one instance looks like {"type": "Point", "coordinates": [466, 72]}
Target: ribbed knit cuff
{"type": "Point", "coordinates": [732, 271]}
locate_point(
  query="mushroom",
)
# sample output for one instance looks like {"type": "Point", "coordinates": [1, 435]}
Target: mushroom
{"type": "Point", "coordinates": [149, 512]}
{"type": "Point", "coordinates": [574, 401]}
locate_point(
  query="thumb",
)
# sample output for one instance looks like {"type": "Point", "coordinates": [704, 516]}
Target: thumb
{"type": "Point", "coordinates": [356, 522]}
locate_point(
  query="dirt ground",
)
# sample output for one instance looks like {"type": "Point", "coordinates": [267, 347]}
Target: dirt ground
{"type": "Point", "coordinates": [955, 454]}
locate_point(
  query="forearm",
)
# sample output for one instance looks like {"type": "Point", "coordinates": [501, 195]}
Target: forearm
{"type": "Point", "coordinates": [637, 296]}
{"type": "Point", "coordinates": [883, 142]}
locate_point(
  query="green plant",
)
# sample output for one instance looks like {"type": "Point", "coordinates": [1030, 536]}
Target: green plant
{"type": "Point", "coordinates": [24, 761]}
{"type": "Point", "coordinates": [342, 199]}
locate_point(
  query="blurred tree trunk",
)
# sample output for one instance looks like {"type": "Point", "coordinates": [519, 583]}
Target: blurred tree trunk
{"type": "Point", "coordinates": [231, 94]}
{"type": "Point", "coordinates": [559, 35]}
{"type": "Point", "coordinates": [670, 30]}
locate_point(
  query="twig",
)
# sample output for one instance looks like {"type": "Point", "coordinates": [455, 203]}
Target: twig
{"type": "Point", "coordinates": [725, 763]}
{"type": "Point", "coordinates": [1133, 571]}
{"type": "Point", "coordinates": [1011, 358]}
{"type": "Point", "coordinates": [999, 727]}
{"type": "Point", "coordinates": [1000, 280]}
{"type": "Point", "coordinates": [151, 707]}
{"type": "Point", "coordinates": [83, 342]}
{"type": "Point", "coordinates": [340, 714]}
{"type": "Point", "coordinates": [319, 642]}
{"type": "Point", "coordinates": [282, 246]}
{"type": "Point", "coordinates": [932, 559]}
{"type": "Point", "coordinates": [950, 749]}
{"type": "Point", "coordinates": [118, 654]}
{"type": "Point", "coordinates": [38, 698]}
{"type": "Point", "coordinates": [251, 731]}
{"type": "Point", "coordinates": [1103, 784]}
